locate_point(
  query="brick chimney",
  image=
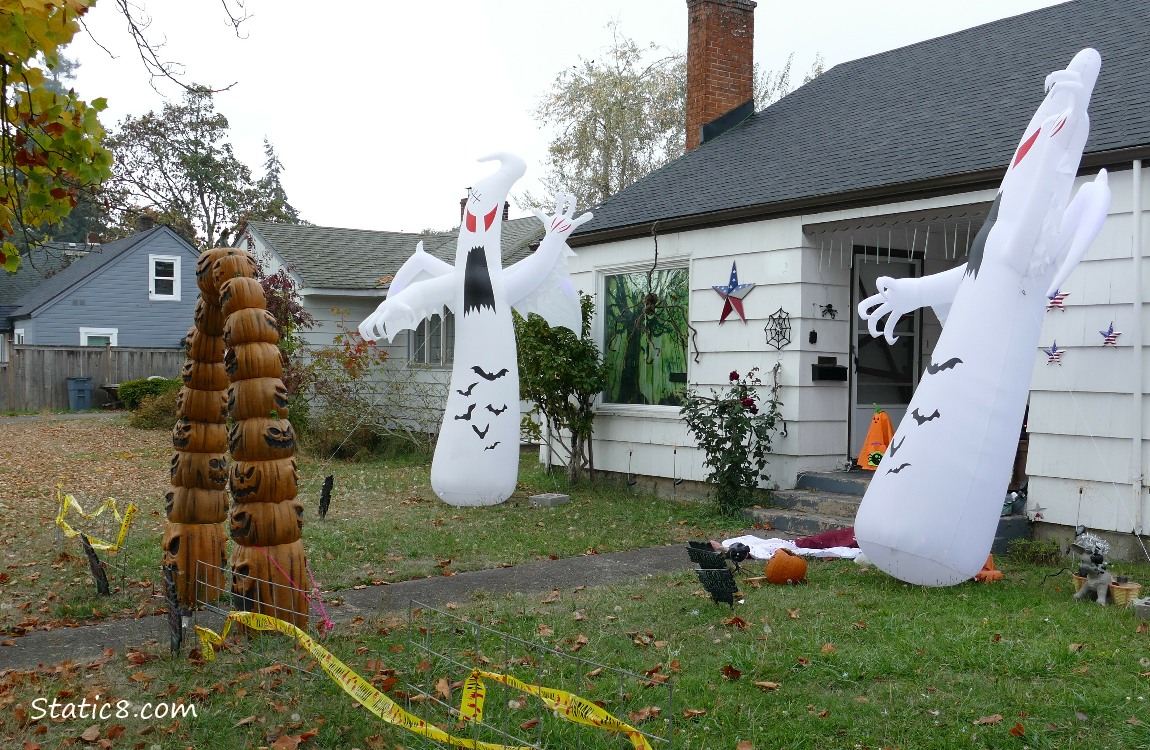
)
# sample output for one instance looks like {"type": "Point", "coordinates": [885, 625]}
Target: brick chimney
{"type": "Point", "coordinates": [720, 60]}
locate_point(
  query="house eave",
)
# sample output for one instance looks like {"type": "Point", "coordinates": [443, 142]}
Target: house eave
{"type": "Point", "coordinates": [313, 291]}
{"type": "Point", "coordinates": [929, 188]}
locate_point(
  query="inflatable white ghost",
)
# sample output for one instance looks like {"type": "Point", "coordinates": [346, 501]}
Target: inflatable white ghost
{"type": "Point", "coordinates": [931, 511]}
{"type": "Point", "coordinates": [476, 459]}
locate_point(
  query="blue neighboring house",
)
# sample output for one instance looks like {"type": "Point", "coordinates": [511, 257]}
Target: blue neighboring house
{"type": "Point", "coordinates": [139, 291]}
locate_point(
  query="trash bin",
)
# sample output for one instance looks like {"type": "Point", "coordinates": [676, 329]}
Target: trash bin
{"type": "Point", "coordinates": [79, 394]}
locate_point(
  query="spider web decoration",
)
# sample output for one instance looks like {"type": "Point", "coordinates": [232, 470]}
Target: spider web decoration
{"type": "Point", "coordinates": [778, 329]}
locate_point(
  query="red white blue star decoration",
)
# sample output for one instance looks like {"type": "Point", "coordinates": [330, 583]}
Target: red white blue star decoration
{"type": "Point", "coordinates": [1110, 336]}
{"type": "Point", "coordinates": [1056, 300]}
{"type": "Point", "coordinates": [733, 294]}
{"type": "Point", "coordinates": [1053, 355]}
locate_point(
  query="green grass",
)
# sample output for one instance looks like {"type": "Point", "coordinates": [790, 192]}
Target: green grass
{"type": "Point", "coordinates": [859, 660]}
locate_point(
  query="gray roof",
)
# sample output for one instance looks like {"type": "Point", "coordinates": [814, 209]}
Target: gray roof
{"type": "Point", "coordinates": [38, 264]}
{"type": "Point", "coordinates": [939, 115]}
{"type": "Point", "coordinates": [356, 259]}
{"type": "Point", "coordinates": [83, 268]}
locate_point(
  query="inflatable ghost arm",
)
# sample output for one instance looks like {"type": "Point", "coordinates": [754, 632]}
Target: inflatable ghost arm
{"type": "Point", "coordinates": [1080, 225]}
{"type": "Point", "coordinates": [540, 283]}
{"type": "Point", "coordinates": [897, 297]}
{"type": "Point", "coordinates": [403, 310]}
{"type": "Point", "coordinates": [419, 265]}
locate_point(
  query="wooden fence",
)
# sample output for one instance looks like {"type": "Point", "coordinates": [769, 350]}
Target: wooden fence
{"type": "Point", "coordinates": [36, 377]}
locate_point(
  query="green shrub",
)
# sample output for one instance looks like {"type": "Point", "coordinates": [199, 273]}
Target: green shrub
{"type": "Point", "coordinates": [156, 412]}
{"type": "Point", "coordinates": [133, 392]}
{"type": "Point", "coordinates": [1035, 551]}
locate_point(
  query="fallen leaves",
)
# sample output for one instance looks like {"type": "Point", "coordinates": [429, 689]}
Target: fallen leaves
{"type": "Point", "coordinates": [767, 686]}
{"type": "Point", "coordinates": [988, 720]}
{"type": "Point", "coordinates": [736, 622]}
{"type": "Point", "coordinates": [730, 672]}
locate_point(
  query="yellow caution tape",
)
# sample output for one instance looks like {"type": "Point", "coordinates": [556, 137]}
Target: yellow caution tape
{"type": "Point", "coordinates": [564, 704]}
{"type": "Point", "coordinates": [67, 501]}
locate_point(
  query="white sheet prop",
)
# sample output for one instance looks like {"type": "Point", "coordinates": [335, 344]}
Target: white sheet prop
{"type": "Point", "coordinates": [476, 459]}
{"type": "Point", "coordinates": [763, 549]}
{"type": "Point", "coordinates": [931, 511]}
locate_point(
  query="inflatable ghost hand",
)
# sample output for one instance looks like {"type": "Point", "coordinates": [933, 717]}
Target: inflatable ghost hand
{"type": "Point", "coordinates": [391, 317]}
{"type": "Point", "coordinates": [562, 223]}
{"type": "Point", "coordinates": [895, 298]}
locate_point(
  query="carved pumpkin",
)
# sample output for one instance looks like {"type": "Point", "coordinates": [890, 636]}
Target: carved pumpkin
{"type": "Point", "coordinates": [205, 279]}
{"type": "Point", "coordinates": [196, 505]}
{"type": "Point", "coordinates": [241, 293]}
{"type": "Point", "coordinates": [266, 524]}
{"type": "Point", "coordinates": [233, 263]}
{"type": "Point", "coordinates": [250, 326]}
{"type": "Point", "coordinates": [264, 481]}
{"type": "Point", "coordinates": [202, 347]}
{"type": "Point", "coordinates": [185, 545]}
{"type": "Point", "coordinates": [259, 585]}
{"type": "Point", "coordinates": [261, 439]}
{"type": "Point", "coordinates": [208, 471]}
{"type": "Point", "coordinates": [199, 437]}
{"type": "Point", "coordinates": [258, 360]}
{"type": "Point", "coordinates": [202, 406]}
{"type": "Point", "coordinates": [786, 567]}
{"type": "Point", "coordinates": [209, 318]}
{"type": "Point", "coordinates": [257, 397]}
{"type": "Point", "coordinates": [205, 376]}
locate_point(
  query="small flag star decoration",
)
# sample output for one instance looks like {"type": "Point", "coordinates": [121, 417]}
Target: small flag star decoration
{"type": "Point", "coordinates": [1053, 355]}
{"type": "Point", "coordinates": [1110, 336]}
{"type": "Point", "coordinates": [1056, 300]}
{"type": "Point", "coordinates": [733, 294]}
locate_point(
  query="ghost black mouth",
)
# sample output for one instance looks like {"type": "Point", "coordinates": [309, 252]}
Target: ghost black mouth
{"type": "Point", "coordinates": [477, 293]}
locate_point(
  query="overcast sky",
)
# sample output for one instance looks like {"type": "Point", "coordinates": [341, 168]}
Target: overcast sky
{"type": "Point", "coordinates": [378, 110]}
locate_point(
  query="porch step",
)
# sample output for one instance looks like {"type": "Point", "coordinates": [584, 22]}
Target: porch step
{"type": "Point", "coordinates": [821, 501]}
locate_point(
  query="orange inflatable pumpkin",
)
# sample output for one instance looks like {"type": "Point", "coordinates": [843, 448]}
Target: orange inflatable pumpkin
{"type": "Point", "coordinates": [786, 567]}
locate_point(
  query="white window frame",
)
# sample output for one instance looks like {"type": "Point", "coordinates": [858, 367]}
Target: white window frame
{"type": "Point", "coordinates": [18, 337]}
{"type": "Point", "coordinates": [599, 326]}
{"type": "Point", "coordinates": [111, 333]}
{"type": "Point", "coordinates": [446, 355]}
{"type": "Point", "coordinates": [175, 261]}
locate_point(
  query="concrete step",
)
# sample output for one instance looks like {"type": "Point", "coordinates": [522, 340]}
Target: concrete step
{"type": "Point", "coordinates": [817, 501]}
{"type": "Point", "coordinates": [795, 523]}
{"type": "Point", "coordinates": [840, 482]}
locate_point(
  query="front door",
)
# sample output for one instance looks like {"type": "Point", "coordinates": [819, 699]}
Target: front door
{"type": "Point", "coordinates": [884, 375]}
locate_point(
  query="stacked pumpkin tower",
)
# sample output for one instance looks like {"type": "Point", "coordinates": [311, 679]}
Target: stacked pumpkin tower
{"type": "Point", "coordinates": [268, 565]}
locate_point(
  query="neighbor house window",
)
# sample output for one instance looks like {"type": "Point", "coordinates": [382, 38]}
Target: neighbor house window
{"type": "Point", "coordinates": [645, 328]}
{"type": "Point", "coordinates": [164, 277]}
{"type": "Point", "coordinates": [18, 337]}
{"type": "Point", "coordinates": [98, 336]}
{"type": "Point", "coordinates": [433, 341]}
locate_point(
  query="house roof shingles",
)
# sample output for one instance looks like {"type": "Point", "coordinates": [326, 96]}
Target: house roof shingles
{"type": "Point", "coordinates": [77, 271]}
{"type": "Point", "coordinates": [356, 259]}
{"type": "Point", "coordinates": [951, 108]}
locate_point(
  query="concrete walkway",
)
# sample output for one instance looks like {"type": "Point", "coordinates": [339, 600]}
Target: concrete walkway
{"type": "Point", "coordinates": [87, 643]}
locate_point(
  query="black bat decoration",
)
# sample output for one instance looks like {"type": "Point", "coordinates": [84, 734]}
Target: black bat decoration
{"type": "Point", "coordinates": [894, 448]}
{"type": "Point", "coordinates": [470, 388]}
{"type": "Point", "coordinates": [897, 469]}
{"type": "Point", "coordinates": [495, 411]}
{"type": "Point", "coordinates": [492, 446]}
{"type": "Point", "coordinates": [487, 375]}
{"type": "Point", "coordinates": [325, 495]}
{"type": "Point", "coordinates": [921, 419]}
{"type": "Point", "coordinates": [949, 364]}
{"type": "Point", "coordinates": [482, 434]}
{"type": "Point", "coordinates": [467, 416]}
{"type": "Point", "coordinates": [99, 575]}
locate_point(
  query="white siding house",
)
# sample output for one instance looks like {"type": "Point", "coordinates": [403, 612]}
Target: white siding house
{"type": "Point", "coordinates": [887, 166]}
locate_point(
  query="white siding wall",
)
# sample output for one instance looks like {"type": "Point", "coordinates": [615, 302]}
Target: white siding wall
{"type": "Point", "coordinates": [1081, 460]}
